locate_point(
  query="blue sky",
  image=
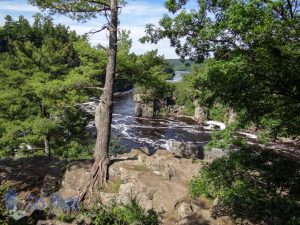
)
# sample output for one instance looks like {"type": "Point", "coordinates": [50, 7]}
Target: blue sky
{"type": "Point", "coordinates": [135, 15]}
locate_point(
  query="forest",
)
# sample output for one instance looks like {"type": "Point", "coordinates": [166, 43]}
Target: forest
{"type": "Point", "coordinates": [99, 134]}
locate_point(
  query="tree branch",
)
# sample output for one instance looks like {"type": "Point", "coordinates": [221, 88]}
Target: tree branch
{"type": "Point", "coordinates": [100, 3]}
{"type": "Point", "coordinates": [92, 32]}
{"type": "Point", "coordinates": [290, 8]}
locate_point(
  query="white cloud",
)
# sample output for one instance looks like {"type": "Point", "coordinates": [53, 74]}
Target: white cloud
{"type": "Point", "coordinates": [142, 9]}
{"type": "Point", "coordinates": [17, 7]}
{"type": "Point", "coordinates": [134, 17]}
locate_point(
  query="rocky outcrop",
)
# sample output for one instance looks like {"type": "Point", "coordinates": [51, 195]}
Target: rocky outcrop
{"type": "Point", "coordinates": [142, 108]}
{"type": "Point", "coordinates": [200, 115]}
{"type": "Point", "coordinates": [196, 151]}
{"type": "Point", "coordinates": [187, 149]}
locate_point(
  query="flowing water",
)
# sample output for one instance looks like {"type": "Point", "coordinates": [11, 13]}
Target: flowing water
{"type": "Point", "coordinates": [153, 133]}
{"type": "Point", "coordinates": [158, 133]}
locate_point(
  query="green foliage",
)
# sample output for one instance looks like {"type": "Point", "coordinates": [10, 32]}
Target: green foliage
{"type": "Point", "coordinates": [151, 74]}
{"type": "Point", "coordinates": [79, 10]}
{"type": "Point", "coordinates": [263, 136]}
{"type": "Point", "coordinates": [45, 74]}
{"type": "Point", "coordinates": [218, 113]}
{"type": "Point", "coordinates": [116, 147]}
{"type": "Point", "coordinates": [223, 139]}
{"type": "Point", "coordinates": [255, 49]}
{"type": "Point", "coordinates": [75, 150]}
{"type": "Point", "coordinates": [127, 214]}
{"type": "Point", "coordinates": [252, 184]}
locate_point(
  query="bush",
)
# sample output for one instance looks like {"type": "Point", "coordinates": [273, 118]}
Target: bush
{"type": "Point", "coordinates": [74, 150]}
{"type": "Point", "coordinates": [116, 147]}
{"type": "Point", "coordinates": [224, 138]}
{"type": "Point", "coordinates": [253, 184]}
{"type": "Point", "coordinates": [127, 214]}
{"type": "Point", "coordinates": [219, 113]}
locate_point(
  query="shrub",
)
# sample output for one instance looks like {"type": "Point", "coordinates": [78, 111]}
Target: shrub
{"type": "Point", "coordinates": [131, 213]}
{"type": "Point", "coordinates": [224, 138]}
{"type": "Point", "coordinates": [253, 184]}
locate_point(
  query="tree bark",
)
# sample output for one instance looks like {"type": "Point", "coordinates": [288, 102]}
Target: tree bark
{"type": "Point", "coordinates": [103, 116]}
{"type": "Point", "coordinates": [47, 146]}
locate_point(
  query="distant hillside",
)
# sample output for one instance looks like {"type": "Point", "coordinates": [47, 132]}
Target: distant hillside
{"type": "Point", "coordinates": [177, 64]}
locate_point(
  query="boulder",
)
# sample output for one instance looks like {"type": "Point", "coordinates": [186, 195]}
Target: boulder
{"type": "Point", "coordinates": [187, 149]}
{"type": "Point", "coordinates": [200, 115]}
{"type": "Point", "coordinates": [176, 110]}
{"type": "Point", "coordinates": [188, 212]}
{"type": "Point", "coordinates": [133, 192]}
{"type": "Point", "coordinates": [137, 98]}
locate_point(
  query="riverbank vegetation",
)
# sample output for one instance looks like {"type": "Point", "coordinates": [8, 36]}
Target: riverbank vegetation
{"type": "Point", "coordinates": [250, 53]}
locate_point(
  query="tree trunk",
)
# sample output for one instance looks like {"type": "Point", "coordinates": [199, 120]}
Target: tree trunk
{"type": "Point", "coordinates": [47, 145]}
{"type": "Point", "coordinates": [103, 116]}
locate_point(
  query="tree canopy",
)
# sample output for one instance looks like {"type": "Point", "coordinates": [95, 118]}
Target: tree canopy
{"type": "Point", "coordinates": [255, 49]}
{"type": "Point", "coordinates": [44, 76]}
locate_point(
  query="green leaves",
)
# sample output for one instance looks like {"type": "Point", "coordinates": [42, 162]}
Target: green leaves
{"type": "Point", "coordinates": [253, 67]}
{"type": "Point", "coordinates": [44, 77]}
{"type": "Point", "coordinates": [252, 184]}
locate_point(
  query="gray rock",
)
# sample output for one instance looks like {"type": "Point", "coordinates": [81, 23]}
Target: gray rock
{"type": "Point", "coordinates": [187, 149]}
{"type": "Point", "coordinates": [200, 115]}
{"type": "Point", "coordinates": [148, 111]}
{"type": "Point", "coordinates": [138, 109]}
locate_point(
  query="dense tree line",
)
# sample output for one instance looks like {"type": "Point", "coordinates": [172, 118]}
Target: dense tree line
{"type": "Point", "coordinates": [46, 72]}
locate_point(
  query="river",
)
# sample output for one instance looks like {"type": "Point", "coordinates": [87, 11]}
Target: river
{"type": "Point", "coordinates": [154, 133]}
{"type": "Point", "coordinates": [158, 133]}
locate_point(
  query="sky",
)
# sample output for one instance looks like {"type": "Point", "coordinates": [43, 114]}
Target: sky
{"type": "Point", "coordinates": [134, 16]}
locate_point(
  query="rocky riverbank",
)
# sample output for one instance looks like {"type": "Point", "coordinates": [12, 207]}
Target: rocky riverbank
{"type": "Point", "coordinates": [158, 181]}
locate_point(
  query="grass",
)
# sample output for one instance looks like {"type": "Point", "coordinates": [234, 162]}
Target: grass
{"type": "Point", "coordinates": [141, 168]}
{"type": "Point", "coordinates": [113, 186]}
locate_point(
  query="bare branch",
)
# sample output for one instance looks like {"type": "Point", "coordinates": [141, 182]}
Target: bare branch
{"type": "Point", "coordinates": [92, 32]}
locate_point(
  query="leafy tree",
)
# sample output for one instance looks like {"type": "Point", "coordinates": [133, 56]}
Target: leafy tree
{"type": "Point", "coordinates": [255, 49]}
{"type": "Point", "coordinates": [83, 10]}
{"type": "Point", "coordinates": [260, 186]}
{"type": "Point", "coordinates": [42, 81]}
{"type": "Point", "coordinates": [150, 76]}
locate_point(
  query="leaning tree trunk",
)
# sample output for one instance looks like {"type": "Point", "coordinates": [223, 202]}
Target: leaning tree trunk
{"type": "Point", "coordinates": [47, 145]}
{"type": "Point", "coordinates": [103, 116]}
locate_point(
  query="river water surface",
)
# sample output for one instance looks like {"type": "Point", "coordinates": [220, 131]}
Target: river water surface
{"type": "Point", "coordinates": [153, 133]}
